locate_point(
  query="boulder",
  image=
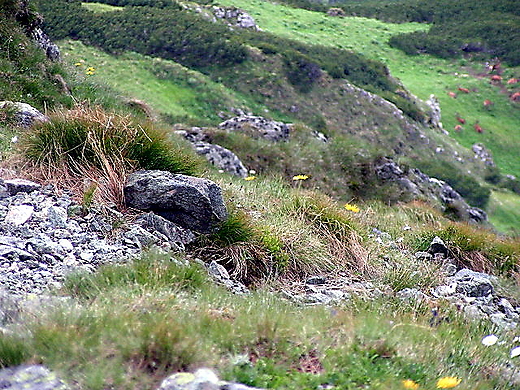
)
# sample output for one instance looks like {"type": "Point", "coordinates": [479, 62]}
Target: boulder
{"type": "Point", "coordinates": [24, 115]}
{"type": "Point", "coordinates": [222, 158]}
{"type": "Point", "coordinates": [473, 284]}
{"type": "Point", "coordinates": [193, 203]}
{"type": "Point", "coordinates": [258, 126]}
{"type": "Point", "coordinates": [33, 377]}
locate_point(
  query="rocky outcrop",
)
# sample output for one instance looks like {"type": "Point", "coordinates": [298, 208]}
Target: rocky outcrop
{"type": "Point", "coordinates": [33, 377]}
{"type": "Point", "coordinates": [221, 158]}
{"type": "Point", "coordinates": [258, 126]}
{"type": "Point", "coordinates": [482, 154]}
{"type": "Point", "coordinates": [419, 185]}
{"type": "Point", "coordinates": [21, 114]}
{"type": "Point", "coordinates": [235, 17]}
{"type": "Point", "coordinates": [434, 114]}
{"type": "Point", "coordinates": [52, 51]}
{"type": "Point", "coordinates": [193, 203]}
{"type": "Point", "coordinates": [203, 378]}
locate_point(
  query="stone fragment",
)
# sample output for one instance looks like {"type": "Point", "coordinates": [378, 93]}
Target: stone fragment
{"type": "Point", "coordinates": [202, 379]}
{"type": "Point", "coordinates": [18, 215]}
{"type": "Point", "coordinates": [221, 158]}
{"type": "Point", "coordinates": [57, 216]}
{"type": "Point", "coordinates": [177, 235]}
{"type": "Point", "coordinates": [15, 186]}
{"type": "Point", "coordinates": [438, 246]}
{"type": "Point", "coordinates": [193, 203]}
{"type": "Point", "coordinates": [34, 377]}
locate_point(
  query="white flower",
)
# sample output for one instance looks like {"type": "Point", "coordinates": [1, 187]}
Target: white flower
{"type": "Point", "coordinates": [489, 340]}
{"type": "Point", "coordinates": [515, 352]}
{"type": "Point", "coordinates": [14, 139]}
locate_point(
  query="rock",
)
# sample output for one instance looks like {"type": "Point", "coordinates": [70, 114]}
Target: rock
{"type": "Point", "coordinates": [34, 377]}
{"type": "Point", "coordinates": [18, 215]}
{"type": "Point", "coordinates": [235, 17]}
{"type": "Point", "coordinates": [193, 203]}
{"type": "Point", "coordinates": [438, 246]}
{"type": "Point", "coordinates": [336, 12]}
{"type": "Point", "coordinates": [412, 295]}
{"type": "Point", "coordinates": [221, 276]}
{"type": "Point", "coordinates": [57, 216]}
{"type": "Point", "coordinates": [222, 158]}
{"type": "Point", "coordinates": [482, 154]}
{"type": "Point", "coordinates": [202, 379]}
{"type": "Point", "coordinates": [316, 280]}
{"type": "Point", "coordinates": [434, 116]}
{"type": "Point", "coordinates": [175, 234]}
{"type": "Point", "coordinates": [257, 125]}
{"type": "Point", "coordinates": [15, 186]}
{"type": "Point", "coordinates": [472, 284]}
{"type": "Point", "coordinates": [24, 115]}
{"type": "Point", "coordinates": [52, 51]}
{"type": "Point", "coordinates": [424, 256]}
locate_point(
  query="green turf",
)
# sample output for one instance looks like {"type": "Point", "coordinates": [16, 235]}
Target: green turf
{"type": "Point", "coordinates": [168, 87]}
{"type": "Point", "coordinates": [99, 8]}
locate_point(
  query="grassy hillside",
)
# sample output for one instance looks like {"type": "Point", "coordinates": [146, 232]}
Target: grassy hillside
{"type": "Point", "coordinates": [128, 326]}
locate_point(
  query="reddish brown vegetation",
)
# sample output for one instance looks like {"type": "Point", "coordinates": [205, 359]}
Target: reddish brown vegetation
{"type": "Point", "coordinates": [465, 90]}
{"type": "Point", "coordinates": [452, 94]}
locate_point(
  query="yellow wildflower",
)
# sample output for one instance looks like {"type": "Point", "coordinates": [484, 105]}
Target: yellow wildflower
{"type": "Point", "coordinates": [250, 178]}
{"type": "Point", "coordinates": [448, 382]}
{"type": "Point", "coordinates": [351, 207]}
{"type": "Point", "coordinates": [91, 69]}
{"type": "Point", "coordinates": [78, 64]}
{"type": "Point", "coordinates": [410, 384]}
{"type": "Point", "coordinates": [300, 177]}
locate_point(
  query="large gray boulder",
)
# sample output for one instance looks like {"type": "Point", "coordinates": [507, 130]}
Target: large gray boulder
{"type": "Point", "coordinates": [23, 114]}
{"type": "Point", "coordinates": [33, 377]}
{"type": "Point", "coordinates": [193, 203]}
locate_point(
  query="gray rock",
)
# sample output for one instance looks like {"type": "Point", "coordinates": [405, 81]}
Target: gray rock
{"type": "Point", "coordinates": [176, 235]}
{"type": "Point", "coordinates": [221, 276]}
{"type": "Point", "coordinates": [412, 295]}
{"type": "Point", "coordinates": [25, 115]}
{"type": "Point", "coordinates": [57, 216]}
{"type": "Point", "coordinates": [483, 154]}
{"type": "Point", "coordinates": [235, 17]}
{"type": "Point", "coordinates": [18, 215]}
{"type": "Point", "coordinates": [202, 379]}
{"type": "Point", "coordinates": [222, 158]}
{"type": "Point", "coordinates": [438, 246]}
{"type": "Point", "coordinates": [33, 377]}
{"type": "Point", "coordinates": [434, 115]}
{"type": "Point", "coordinates": [473, 284]}
{"type": "Point", "coordinates": [317, 280]}
{"type": "Point", "coordinates": [14, 186]}
{"type": "Point", "coordinates": [425, 256]}
{"type": "Point", "coordinates": [257, 125]}
{"type": "Point", "coordinates": [193, 203]}
{"type": "Point", "coordinates": [51, 50]}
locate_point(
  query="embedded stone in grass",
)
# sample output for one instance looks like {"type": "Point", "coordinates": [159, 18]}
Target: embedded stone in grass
{"type": "Point", "coordinates": [191, 202]}
{"type": "Point", "coordinates": [33, 377]}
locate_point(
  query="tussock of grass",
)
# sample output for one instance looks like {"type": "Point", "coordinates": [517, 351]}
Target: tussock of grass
{"type": "Point", "coordinates": [103, 147]}
{"type": "Point", "coordinates": [478, 249]}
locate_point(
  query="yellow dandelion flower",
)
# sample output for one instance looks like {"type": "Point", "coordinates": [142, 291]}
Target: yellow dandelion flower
{"type": "Point", "coordinates": [78, 64]}
{"type": "Point", "coordinates": [89, 73]}
{"type": "Point", "coordinates": [448, 382]}
{"type": "Point", "coordinates": [91, 69]}
{"type": "Point", "coordinates": [351, 207]}
{"type": "Point", "coordinates": [300, 177]}
{"type": "Point", "coordinates": [250, 178]}
{"type": "Point", "coordinates": [410, 384]}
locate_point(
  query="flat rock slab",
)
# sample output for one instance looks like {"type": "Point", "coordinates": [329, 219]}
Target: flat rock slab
{"type": "Point", "coordinates": [18, 215]}
{"type": "Point", "coordinates": [191, 202]}
{"type": "Point", "coordinates": [30, 378]}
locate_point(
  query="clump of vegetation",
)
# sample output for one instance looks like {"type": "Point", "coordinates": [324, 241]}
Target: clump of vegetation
{"type": "Point", "coordinates": [104, 147]}
{"type": "Point", "coordinates": [474, 248]}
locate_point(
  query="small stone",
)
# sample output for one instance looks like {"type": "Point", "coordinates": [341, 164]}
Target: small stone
{"type": "Point", "coordinates": [18, 215]}
{"type": "Point", "coordinates": [57, 216]}
{"type": "Point", "coordinates": [15, 186]}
